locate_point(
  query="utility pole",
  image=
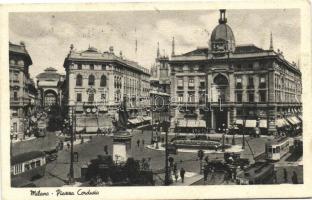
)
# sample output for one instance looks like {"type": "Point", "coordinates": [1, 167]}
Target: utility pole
{"type": "Point", "coordinates": [71, 168]}
{"type": "Point", "coordinates": [167, 182]}
{"type": "Point", "coordinates": [244, 124]}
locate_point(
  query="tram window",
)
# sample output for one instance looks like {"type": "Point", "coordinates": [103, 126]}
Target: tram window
{"type": "Point", "coordinates": [32, 164]}
{"type": "Point", "coordinates": [27, 167]}
{"type": "Point", "coordinates": [38, 163]}
{"type": "Point", "coordinates": [273, 150]}
{"type": "Point", "coordinates": [270, 150]}
{"type": "Point", "coordinates": [277, 149]}
{"type": "Point", "coordinates": [17, 168]}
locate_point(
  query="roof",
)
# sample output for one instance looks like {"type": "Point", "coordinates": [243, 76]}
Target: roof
{"type": "Point", "coordinates": [257, 170]}
{"type": "Point", "coordinates": [49, 72]}
{"type": "Point", "coordinates": [50, 69]}
{"type": "Point", "coordinates": [20, 50]}
{"type": "Point", "coordinates": [240, 49]}
{"type": "Point", "coordinates": [92, 54]}
{"type": "Point", "coordinates": [222, 32]}
{"type": "Point", "coordinates": [26, 156]}
{"type": "Point", "coordinates": [249, 48]}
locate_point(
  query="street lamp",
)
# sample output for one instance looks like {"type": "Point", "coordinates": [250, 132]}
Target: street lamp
{"type": "Point", "coordinates": [223, 136]}
{"type": "Point", "coordinates": [233, 139]}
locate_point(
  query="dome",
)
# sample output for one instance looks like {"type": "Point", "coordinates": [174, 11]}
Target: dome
{"type": "Point", "coordinates": [222, 37]}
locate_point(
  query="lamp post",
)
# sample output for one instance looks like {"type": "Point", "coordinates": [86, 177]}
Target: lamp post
{"type": "Point", "coordinates": [244, 124]}
{"type": "Point", "coordinates": [233, 139]}
{"type": "Point", "coordinates": [166, 126]}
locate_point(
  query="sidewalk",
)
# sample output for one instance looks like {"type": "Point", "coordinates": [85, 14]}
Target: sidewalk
{"type": "Point", "coordinates": [189, 179]}
{"type": "Point", "coordinates": [22, 140]}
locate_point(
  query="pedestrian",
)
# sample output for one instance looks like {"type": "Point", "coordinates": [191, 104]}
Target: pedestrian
{"type": "Point", "coordinates": [138, 143]}
{"type": "Point", "coordinates": [294, 178]}
{"type": "Point", "coordinates": [68, 145]}
{"type": "Point", "coordinates": [205, 174]}
{"type": "Point", "coordinates": [225, 178]}
{"type": "Point", "coordinates": [227, 140]}
{"type": "Point", "coordinates": [285, 176]}
{"type": "Point", "coordinates": [212, 173]}
{"type": "Point", "coordinates": [175, 167]}
{"type": "Point", "coordinates": [106, 149]}
{"type": "Point", "coordinates": [143, 142]}
{"type": "Point", "coordinates": [275, 177]}
{"type": "Point", "coordinates": [182, 172]}
{"type": "Point", "coordinates": [176, 176]}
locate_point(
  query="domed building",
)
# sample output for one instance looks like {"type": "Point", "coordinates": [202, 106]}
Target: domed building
{"type": "Point", "coordinates": [49, 83]}
{"type": "Point", "coordinates": [222, 37]}
{"type": "Point", "coordinates": [228, 85]}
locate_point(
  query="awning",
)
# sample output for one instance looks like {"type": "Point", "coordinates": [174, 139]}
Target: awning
{"type": "Point", "coordinates": [147, 118]}
{"type": "Point", "coordinates": [239, 121]}
{"type": "Point", "coordinates": [191, 123]}
{"type": "Point", "coordinates": [103, 108]}
{"type": "Point", "coordinates": [79, 129]}
{"type": "Point", "coordinates": [91, 129]}
{"type": "Point", "coordinates": [263, 123]}
{"type": "Point", "coordinates": [141, 119]}
{"type": "Point", "coordinates": [300, 117]}
{"type": "Point", "coordinates": [201, 123]}
{"type": "Point", "coordinates": [293, 120]}
{"type": "Point", "coordinates": [79, 109]}
{"type": "Point", "coordinates": [181, 123]}
{"type": "Point", "coordinates": [280, 123]}
{"type": "Point", "coordinates": [134, 121]}
{"type": "Point", "coordinates": [250, 123]}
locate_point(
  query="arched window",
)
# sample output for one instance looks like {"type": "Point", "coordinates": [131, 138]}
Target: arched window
{"type": "Point", "coordinates": [79, 80]}
{"type": "Point", "coordinates": [91, 79]}
{"type": "Point", "coordinates": [103, 81]}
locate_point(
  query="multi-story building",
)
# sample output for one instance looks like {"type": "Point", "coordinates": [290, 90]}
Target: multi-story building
{"type": "Point", "coordinates": [23, 93]}
{"type": "Point", "coordinates": [48, 83]}
{"type": "Point", "coordinates": [96, 83]}
{"type": "Point", "coordinates": [226, 84]}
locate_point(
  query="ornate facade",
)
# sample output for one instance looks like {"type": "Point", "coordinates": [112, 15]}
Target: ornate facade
{"type": "Point", "coordinates": [227, 84]}
{"type": "Point", "coordinates": [23, 94]}
{"type": "Point", "coordinates": [48, 84]}
{"type": "Point", "coordinates": [96, 83]}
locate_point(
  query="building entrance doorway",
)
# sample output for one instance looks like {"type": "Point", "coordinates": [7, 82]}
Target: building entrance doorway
{"type": "Point", "coordinates": [221, 120]}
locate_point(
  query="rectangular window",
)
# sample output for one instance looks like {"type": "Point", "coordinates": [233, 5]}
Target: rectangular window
{"type": "Point", "coordinates": [79, 67]}
{"type": "Point", "coordinates": [262, 83]}
{"type": "Point", "coordinates": [180, 83]}
{"type": "Point", "coordinates": [15, 96]}
{"type": "Point", "coordinates": [38, 163]}
{"type": "Point", "coordinates": [79, 97]}
{"type": "Point", "coordinates": [239, 97]}
{"type": "Point", "coordinates": [262, 96]}
{"type": "Point", "coordinates": [91, 66]}
{"type": "Point", "coordinates": [251, 97]}
{"type": "Point", "coordinates": [103, 97]}
{"type": "Point", "coordinates": [250, 82]}
{"type": "Point", "coordinates": [191, 97]}
{"type": "Point", "coordinates": [191, 82]}
{"type": "Point", "coordinates": [180, 97]}
{"type": "Point", "coordinates": [239, 83]}
{"type": "Point", "coordinates": [15, 127]}
{"type": "Point", "coordinates": [202, 84]}
{"type": "Point", "coordinates": [27, 167]}
{"type": "Point", "coordinates": [91, 97]}
{"type": "Point", "coordinates": [103, 67]}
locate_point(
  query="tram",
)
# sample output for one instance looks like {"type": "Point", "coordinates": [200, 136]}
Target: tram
{"type": "Point", "coordinates": [277, 148]}
{"type": "Point", "coordinates": [29, 165]}
{"type": "Point", "coordinates": [262, 172]}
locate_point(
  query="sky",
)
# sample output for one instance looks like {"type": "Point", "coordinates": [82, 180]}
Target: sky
{"type": "Point", "coordinates": [48, 36]}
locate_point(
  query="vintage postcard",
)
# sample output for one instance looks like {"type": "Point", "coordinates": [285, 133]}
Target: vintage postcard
{"type": "Point", "coordinates": [156, 100]}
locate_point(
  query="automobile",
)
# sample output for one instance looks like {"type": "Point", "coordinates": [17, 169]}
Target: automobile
{"type": "Point", "coordinates": [51, 155]}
